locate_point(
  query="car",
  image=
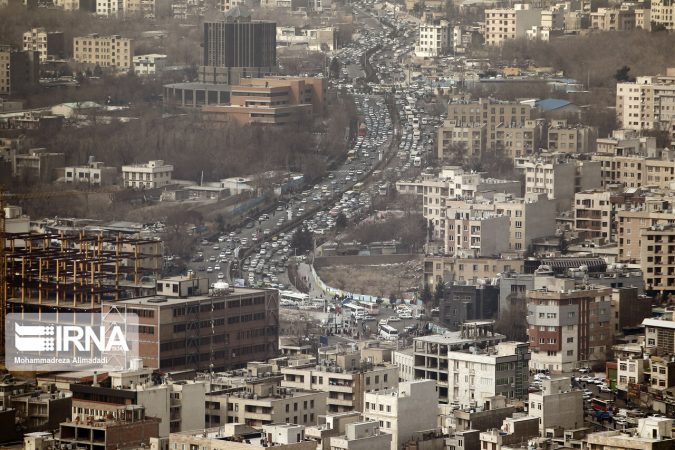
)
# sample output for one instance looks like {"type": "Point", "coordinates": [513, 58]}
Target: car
{"type": "Point", "coordinates": [216, 267]}
{"type": "Point", "coordinates": [604, 388]}
{"type": "Point", "coordinates": [209, 269]}
{"type": "Point", "coordinates": [382, 322]}
{"type": "Point", "coordinates": [405, 316]}
{"type": "Point", "coordinates": [394, 319]}
{"type": "Point", "coordinates": [221, 276]}
{"type": "Point", "coordinates": [585, 369]}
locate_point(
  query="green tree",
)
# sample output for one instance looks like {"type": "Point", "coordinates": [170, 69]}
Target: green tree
{"type": "Point", "coordinates": [427, 297]}
{"type": "Point", "coordinates": [302, 240]}
{"type": "Point", "coordinates": [622, 75]}
{"type": "Point", "coordinates": [335, 68]}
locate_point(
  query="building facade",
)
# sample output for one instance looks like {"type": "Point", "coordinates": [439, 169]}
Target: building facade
{"type": "Point", "coordinates": [50, 45]}
{"type": "Point", "coordinates": [151, 175]}
{"type": "Point", "coordinates": [104, 51]}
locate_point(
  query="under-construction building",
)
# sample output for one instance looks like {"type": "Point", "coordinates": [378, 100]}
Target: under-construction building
{"type": "Point", "coordinates": [186, 325]}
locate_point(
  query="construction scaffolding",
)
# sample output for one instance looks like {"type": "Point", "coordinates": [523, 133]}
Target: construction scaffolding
{"type": "Point", "coordinates": [49, 272]}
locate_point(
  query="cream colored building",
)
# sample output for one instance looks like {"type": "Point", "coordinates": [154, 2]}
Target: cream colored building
{"type": "Point", "coordinates": [469, 139]}
{"type": "Point", "coordinates": [151, 175]}
{"type": "Point", "coordinates": [104, 51]}
{"type": "Point", "coordinates": [557, 405]}
{"type": "Point", "coordinates": [490, 112]}
{"type": "Point", "coordinates": [657, 257]}
{"type": "Point", "coordinates": [239, 436]}
{"type": "Point", "coordinates": [39, 40]}
{"type": "Point", "coordinates": [109, 8]}
{"type": "Point", "coordinates": [652, 433]}
{"type": "Point", "coordinates": [663, 13]}
{"type": "Point", "coordinates": [345, 382]}
{"type": "Point", "coordinates": [364, 435]}
{"type": "Point", "coordinates": [439, 268]}
{"type": "Point", "coordinates": [656, 210]}
{"type": "Point", "coordinates": [613, 19]}
{"type": "Point", "coordinates": [593, 215]}
{"type": "Point", "coordinates": [402, 411]}
{"type": "Point", "coordinates": [564, 138]}
{"type": "Point", "coordinates": [506, 24]}
{"type": "Point", "coordinates": [648, 103]}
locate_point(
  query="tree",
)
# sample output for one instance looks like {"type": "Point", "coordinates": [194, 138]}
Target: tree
{"type": "Point", "coordinates": [392, 299]}
{"type": "Point", "coordinates": [622, 75]}
{"type": "Point", "coordinates": [335, 68]}
{"type": "Point", "coordinates": [340, 221]}
{"type": "Point", "coordinates": [439, 293]}
{"type": "Point", "coordinates": [98, 72]}
{"type": "Point", "coordinates": [427, 297]}
{"type": "Point", "coordinates": [302, 240]}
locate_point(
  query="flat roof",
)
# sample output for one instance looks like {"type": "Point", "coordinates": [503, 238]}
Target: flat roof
{"type": "Point", "coordinates": [159, 300]}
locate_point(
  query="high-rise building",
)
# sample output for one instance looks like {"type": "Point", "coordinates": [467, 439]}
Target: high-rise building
{"type": "Point", "coordinates": [502, 25]}
{"type": "Point", "coordinates": [237, 47]}
{"type": "Point", "coordinates": [434, 40]}
{"type": "Point", "coordinates": [662, 13]}
{"type": "Point", "coordinates": [648, 103]}
{"type": "Point", "coordinates": [569, 327]}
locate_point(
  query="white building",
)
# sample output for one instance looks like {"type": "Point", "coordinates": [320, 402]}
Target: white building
{"type": "Point", "coordinates": [361, 436]}
{"type": "Point", "coordinates": [473, 364]}
{"type": "Point", "coordinates": [150, 64]}
{"type": "Point", "coordinates": [403, 411]}
{"type": "Point", "coordinates": [506, 24]}
{"type": "Point", "coordinates": [433, 40]}
{"type": "Point", "coordinates": [45, 43]}
{"type": "Point", "coordinates": [629, 371]}
{"type": "Point", "coordinates": [153, 174]}
{"type": "Point", "coordinates": [663, 13]}
{"type": "Point", "coordinates": [93, 173]}
{"type": "Point", "coordinates": [557, 405]}
{"type": "Point", "coordinates": [405, 361]}
{"type": "Point", "coordinates": [109, 7]}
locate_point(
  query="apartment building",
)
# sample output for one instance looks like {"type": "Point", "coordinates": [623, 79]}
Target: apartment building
{"type": "Point", "coordinates": [104, 51]}
{"type": "Point", "coordinates": [458, 139]}
{"type": "Point", "coordinates": [41, 411]}
{"type": "Point", "coordinates": [490, 112]}
{"type": "Point", "coordinates": [404, 410]}
{"type": "Point", "coordinates": [556, 405]}
{"type": "Point", "coordinates": [50, 45]}
{"type": "Point", "coordinates": [126, 427]}
{"type": "Point", "coordinates": [271, 101]}
{"type": "Point", "coordinates": [569, 328]}
{"type": "Point", "coordinates": [150, 64]}
{"type": "Point", "coordinates": [613, 19]}
{"type": "Point", "coordinates": [660, 334]}
{"type": "Point", "coordinates": [150, 175]}
{"type": "Point", "coordinates": [648, 103]}
{"type": "Point", "coordinates": [263, 402]}
{"type": "Point", "coordinates": [178, 405]}
{"type": "Point", "coordinates": [110, 8]}
{"type": "Point", "coordinates": [185, 326]}
{"type": "Point", "coordinates": [433, 39]}
{"type": "Point", "coordinates": [652, 433]}
{"type": "Point", "coordinates": [662, 13]}
{"type": "Point", "coordinates": [463, 302]}
{"type": "Point", "coordinates": [630, 371]}
{"type": "Point", "coordinates": [475, 233]}
{"type": "Point", "coordinates": [635, 170]}
{"type": "Point", "coordinates": [440, 268]}
{"type": "Point", "coordinates": [93, 173]}
{"type": "Point", "coordinates": [361, 436]}
{"type": "Point", "coordinates": [506, 24]}
{"type": "Point", "coordinates": [661, 373]}
{"type": "Point", "coordinates": [19, 70]}
{"type": "Point", "coordinates": [517, 140]}
{"type": "Point", "coordinates": [655, 210]}
{"type": "Point", "coordinates": [346, 380]}
{"type": "Point", "coordinates": [593, 215]}
{"type": "Point", "coordinates": [472, 365]}
{"type": "Point", "coordinates": [139, 8]}
{"type": "Point", "coordinates": [5, 69]}
{"type": "Point", "coordinates": [240, 436]}
{"type": "Point", "coordinates": [657, 256]}
{"type": "Point", "coordinates": [552, 174]}
{"type": "Point", "coordinates": [564, 138]}
{"type": "Point", "coordinates": [38, 164]}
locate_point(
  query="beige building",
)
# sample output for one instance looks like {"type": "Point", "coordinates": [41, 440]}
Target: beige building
{"type": "Point", "coordinates": [648, 103]}
{"type": "Point", "coordinates": [239, 436]}
{"type": "Point", "coordinates": [656, 210]}
{"type": "Point", "coordinates": [652, 433]}
{"type": "Point", "coordinates": [345, 381]}
{"type": "Point", "coordinates": [361, 436]}
{"type": "Point", "coordinates": [663, 13]}
{"type": "Point", "coordinates": [403, 411]}
{"type": "Point", "coordinates": [660, 334]}
{"type": "Point", "coordinates": [151, 175]}
{"type": "Point", "coordinates": [506, 24]}
{"type": "Point", "coordinates": [657, 257]}
{"type": "Point", "coordinates": [564, 138]}
{"type": "Point", "coordinates": [47, 44]}
{"type": "Point", "coordinates": [613, 19]}
{"type": "Point", "coordinates": [593, 215]}
{"type": "Point", "coordinates": [557, 405]}
{"type": "Point", "coordinates": [105, 51]}
{"type": "Point", "coordinates": [475, 233]}
{"type": "Point", "coordinates": [490, 112]}
{"type": "Point", "coordinates": [439, 268]}
{"type": "Point", "coordinates": [433, 39]}
{"type": "Point", "coordinates": [559, 177]}
{"type": "Point", "coordinates": [467, 140]}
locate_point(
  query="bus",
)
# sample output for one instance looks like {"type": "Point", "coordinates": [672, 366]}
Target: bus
{"type": "Point", "coordinates": [602, 405]}
{"type": "Point", "coordinates": [371, 308]}
{"type": "Point", "coordinates": [388, 333]}
{"type": "Point", "coordinates": [290, 298]}
{"type": "Point", "coordinates": [355, 309]}
{"type": "Point", "coordinates": [357, 187]}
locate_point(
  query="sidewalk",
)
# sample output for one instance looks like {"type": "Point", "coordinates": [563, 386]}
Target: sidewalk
{"type": "Point", "coordinates": [305, 272]}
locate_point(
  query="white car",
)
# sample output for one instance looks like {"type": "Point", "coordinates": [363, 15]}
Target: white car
{"type": "Point", "coordinates": [394, 319]}
{"type": "Point", "coordinates": [405, 316]}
